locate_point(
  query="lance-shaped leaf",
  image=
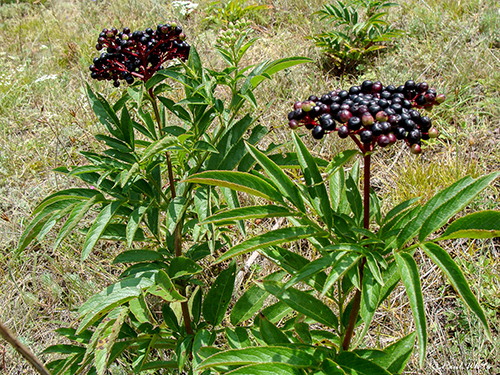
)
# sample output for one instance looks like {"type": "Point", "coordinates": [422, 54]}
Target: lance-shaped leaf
{"type": "Point", "coordinates": [181, 266]}
{"type": "Point", "coordinates": [239, 181]}
{"type": "Point", "coordinates": [158, 146]}
{"type": "Point", "coordinates": [278, 65]}
{"type": "Point", "coordinates": [314, 182]}
{"type": "Point", "coordinates": [134, 222]}
{"type": "Point", "coordinates": [302, 302]}
{"type": "Point", "coordinates": [278, 177]}
{"type": "Point", "coordinates": [483, 224]}
{"type": "Point", "coordinates": [258, 355]}
{"type": "Point", "coordinates": [274, 237]}
{"type": "Point", "coordinates": [271, 334]}
{"type": "Point", "coordinates": [105, 113]}
{"type": "Point", "coordinates": [397, 355]}
{"type": "Point", "coordinates": [352, 364]}
{"type": "Point", "coordinates": [165, 289]}
{"type": "Point", "coordinates": [411, 280]}
{"type": "Point", "coordinates": [267, 369]}
{"type": "Point", "coordinates": [113, 296]}
{"type": "Point", "coordinates": [340, 160]}
{"type": "Point", "coordinates": [97, 229]}
{"type": "Point", "coordinates": [440, 208]}
{"type": "Point", "coordinates": [457, 279]}
{"type": "Point", "coordinates": [76, 216]}
{"type": "Point", "coordinates": [219, 296]}
{"type": "Point", "coordinates": [248, 213]}
{"type": "Point", "coordinates": [342, 265]}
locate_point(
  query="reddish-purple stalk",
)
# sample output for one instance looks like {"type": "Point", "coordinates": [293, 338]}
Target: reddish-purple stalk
{"type": "Point", "coordinates": [353, 317]}
{"type": "Point", "coordinates": [178, 227]}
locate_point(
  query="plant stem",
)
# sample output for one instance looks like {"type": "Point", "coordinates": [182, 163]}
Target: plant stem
{"type": "Point", "coordinates": [178, 227]}
{"type": "Point", "coordinates": [353, 317]}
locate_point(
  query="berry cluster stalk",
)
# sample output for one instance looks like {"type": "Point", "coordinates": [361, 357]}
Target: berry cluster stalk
{"type": "Point", "coordinates": [178, 227]}
{"type": "Point", "coordinates": [353, 317]}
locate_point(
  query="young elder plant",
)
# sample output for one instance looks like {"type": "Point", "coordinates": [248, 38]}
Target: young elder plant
{"type": "Point", "coordinates": [326, 306]}
{"type": "Point", "coordinates": [159, 314]}
{"type": "Point", "coordinates": [166, 186]}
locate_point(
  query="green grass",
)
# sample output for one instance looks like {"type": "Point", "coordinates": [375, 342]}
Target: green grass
{"type": "Point", "coordinates": [45, 121]}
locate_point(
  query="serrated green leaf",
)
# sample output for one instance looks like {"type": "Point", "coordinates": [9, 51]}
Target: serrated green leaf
{"type": "Point", "coordinates": [142, 255]}
{"type": "Point", "coordinates": [114, 295]}
{"type": "Point", "coordinates": [483, 224]}
{"type": "Point", "coordinates": [204, 146]}
{"type": "Point", "coordinates": [256, 355]}
{"type": "Point", "coordinates": [397, 354]}
{"type": "Point", "coordinates": [314, 182]}
{"type": "Point", "coordinates": [181, 266]}
{"type": "Point", "coordinates": [271, 334]}
{"type": "Point", "coordinates": [352, 364]}
{"type": "Point", "coordinates": [248, 213]}
{"type": "Point", "coordinates": [239, 181]}
{"type": "Point", "coordinates": [440, 257]}
{"type": "Point", "coordinates": [100, 223]}
{"type": "Point", "coordinates": [278, 177]}
{"type": "Point", "coordinates": [165, 289]}
{"type": "Point", "coordinates": [411, 280]}
{"type": "Point", "coordinates": [219, 296]}
{"type": "Point", "coordinates": [277, 65]}
{"type": "Point", "coordinates": [158, 146]}
{"type": "Point", "coordinates": [274, 237]}
{"type": "Point", "coordinates": [302, 302]}
{"type": "Point", "coordinates": [134, 222]}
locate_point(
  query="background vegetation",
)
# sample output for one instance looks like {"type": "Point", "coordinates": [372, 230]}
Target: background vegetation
{"type": "Point", "coordinates": [45, 121]}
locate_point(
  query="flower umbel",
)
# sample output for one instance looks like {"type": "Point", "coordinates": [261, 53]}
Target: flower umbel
{"type": "Point", "coordinates": [138, 54]}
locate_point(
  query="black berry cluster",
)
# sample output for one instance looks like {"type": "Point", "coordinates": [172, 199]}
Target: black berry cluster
{"type": "Point", "coordinates": [371, 114]}
{"type": "Point", "coordinates": [137, 54]}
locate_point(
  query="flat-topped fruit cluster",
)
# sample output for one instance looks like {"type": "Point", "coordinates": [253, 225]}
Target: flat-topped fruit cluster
{"type": "Point", "coordinates": [139, 54]}
{"type": "Point", "coordinates": [372, 114]}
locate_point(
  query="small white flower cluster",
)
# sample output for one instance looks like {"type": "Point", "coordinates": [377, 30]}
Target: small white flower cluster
{"type": "Point", "coordinates": [183, 8]}
{"type": "Point", "coordinates": [45, 77]}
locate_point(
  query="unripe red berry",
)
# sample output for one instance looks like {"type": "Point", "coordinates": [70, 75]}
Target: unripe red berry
{"type": "Point", "coordinates": [415, 149]}
{"type": "Point", "coordinates": [367, 119]}
{"type": "Point", "coordinates": [433, 133]}
{"type": "Point", "coordinates": [440, 98]}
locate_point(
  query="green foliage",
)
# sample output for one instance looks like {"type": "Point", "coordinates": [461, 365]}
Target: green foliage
{"type": "Point", "coordinates": [349, 258]}
{"type": "Point", "coordinates": [231, 11]}
{"type": "Point", "coordinates": [358, 27]}
{"type": "Point", "coordinates": [141, 195]}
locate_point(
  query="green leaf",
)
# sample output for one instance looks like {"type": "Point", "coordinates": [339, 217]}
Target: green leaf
{"type": "Point", "coordinates": [370, 298]}
{"type": "Point", "coordinates": [340, 160]}
{"type": "Point", "coordinates": [104, 113]}
{"type": "Point", "coordinates": [100, 223]}
{"type": "Point", "coordinates": [204, 146]}
{"type": "Point", "coordinates": [277, 65]}
{"type": "Point", "coordinates": [342, 265]}
{"type": "Point", "coordinates": [397, 355]}
{"type": "Point", "coordinates": [169, 317]}
{"type": "Point", "coordinates": [76, 216]}
{"type": "Point", "coordinates": [248, 213]}
{"type": "Point", "coordinates": [440, 208]}
{"type": "Point", "coordinates": [314, 182]}
{"type": "Point", "coordinates": [219, 296]}
{"type": "Point", "coordinates": [452, 203]}
{"type": "Point", "coordinates": [267, 369]}
{"type": "Point", "coordinates": [165, 289]}
{"type": "Point", "coordinates": [134, 222]}
{"type": "Point", "coordinates": [175, 211]}
{"type": "Point", "coordinates": [279, 178]}
{"type": "Point", "coordinates": [411, 280]}
{"type": "Point", "coordinates": [355, 365]}
{"type": "Point", "coordinates": [238, 338]}
{"type": "Point", "coordinates": [270, 333]}
{"type": "Point", "coordinates": [354, 199]}
{"type": "Point", "coordinates": [177, 110]}
{"type": "Point", "coordinates": [126, 128]}
{"type": "Point", "coordinates": [239, 181]}
{"type": "Point", "coordinates": [114, 295]}
{"type": "Point", "coordinates": [181, 266]}
{"type": "Point", "coordinates": [259, 355]}
{"type": "Point", "coordinates": [158, 146]}
{"type": "Point", "coordinates": [331, 368]}
{"type": "Point", "coordinates": [251, 301]}
{"type": "Point", "coordinates": [447, 265]}
{"type": "Point", "coordinates": [143, 255]}
{"type": "Point", "coordinates": [302, 302]}
{"type": "Point", "coordinates": [274, 237]}
{"type": "Point", "coordinates": [483, 224]}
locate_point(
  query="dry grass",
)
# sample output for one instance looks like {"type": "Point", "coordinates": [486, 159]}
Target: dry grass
{"type": "Point", "coordinates": [45, 121]}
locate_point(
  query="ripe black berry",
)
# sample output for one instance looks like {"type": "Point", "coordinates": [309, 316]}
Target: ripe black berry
{"type": "Point", "coordinates": [318, 132]}
{"type": "Point", "coordinates": [366, 136]}
{"type": "Point", "coordinates": [343, 132]}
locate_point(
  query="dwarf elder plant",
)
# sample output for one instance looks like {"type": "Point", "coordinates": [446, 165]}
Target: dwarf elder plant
{"type": "Point", "coordinates": [160, 313]}
{"type": "Point", "coordinates": [325, 306]}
